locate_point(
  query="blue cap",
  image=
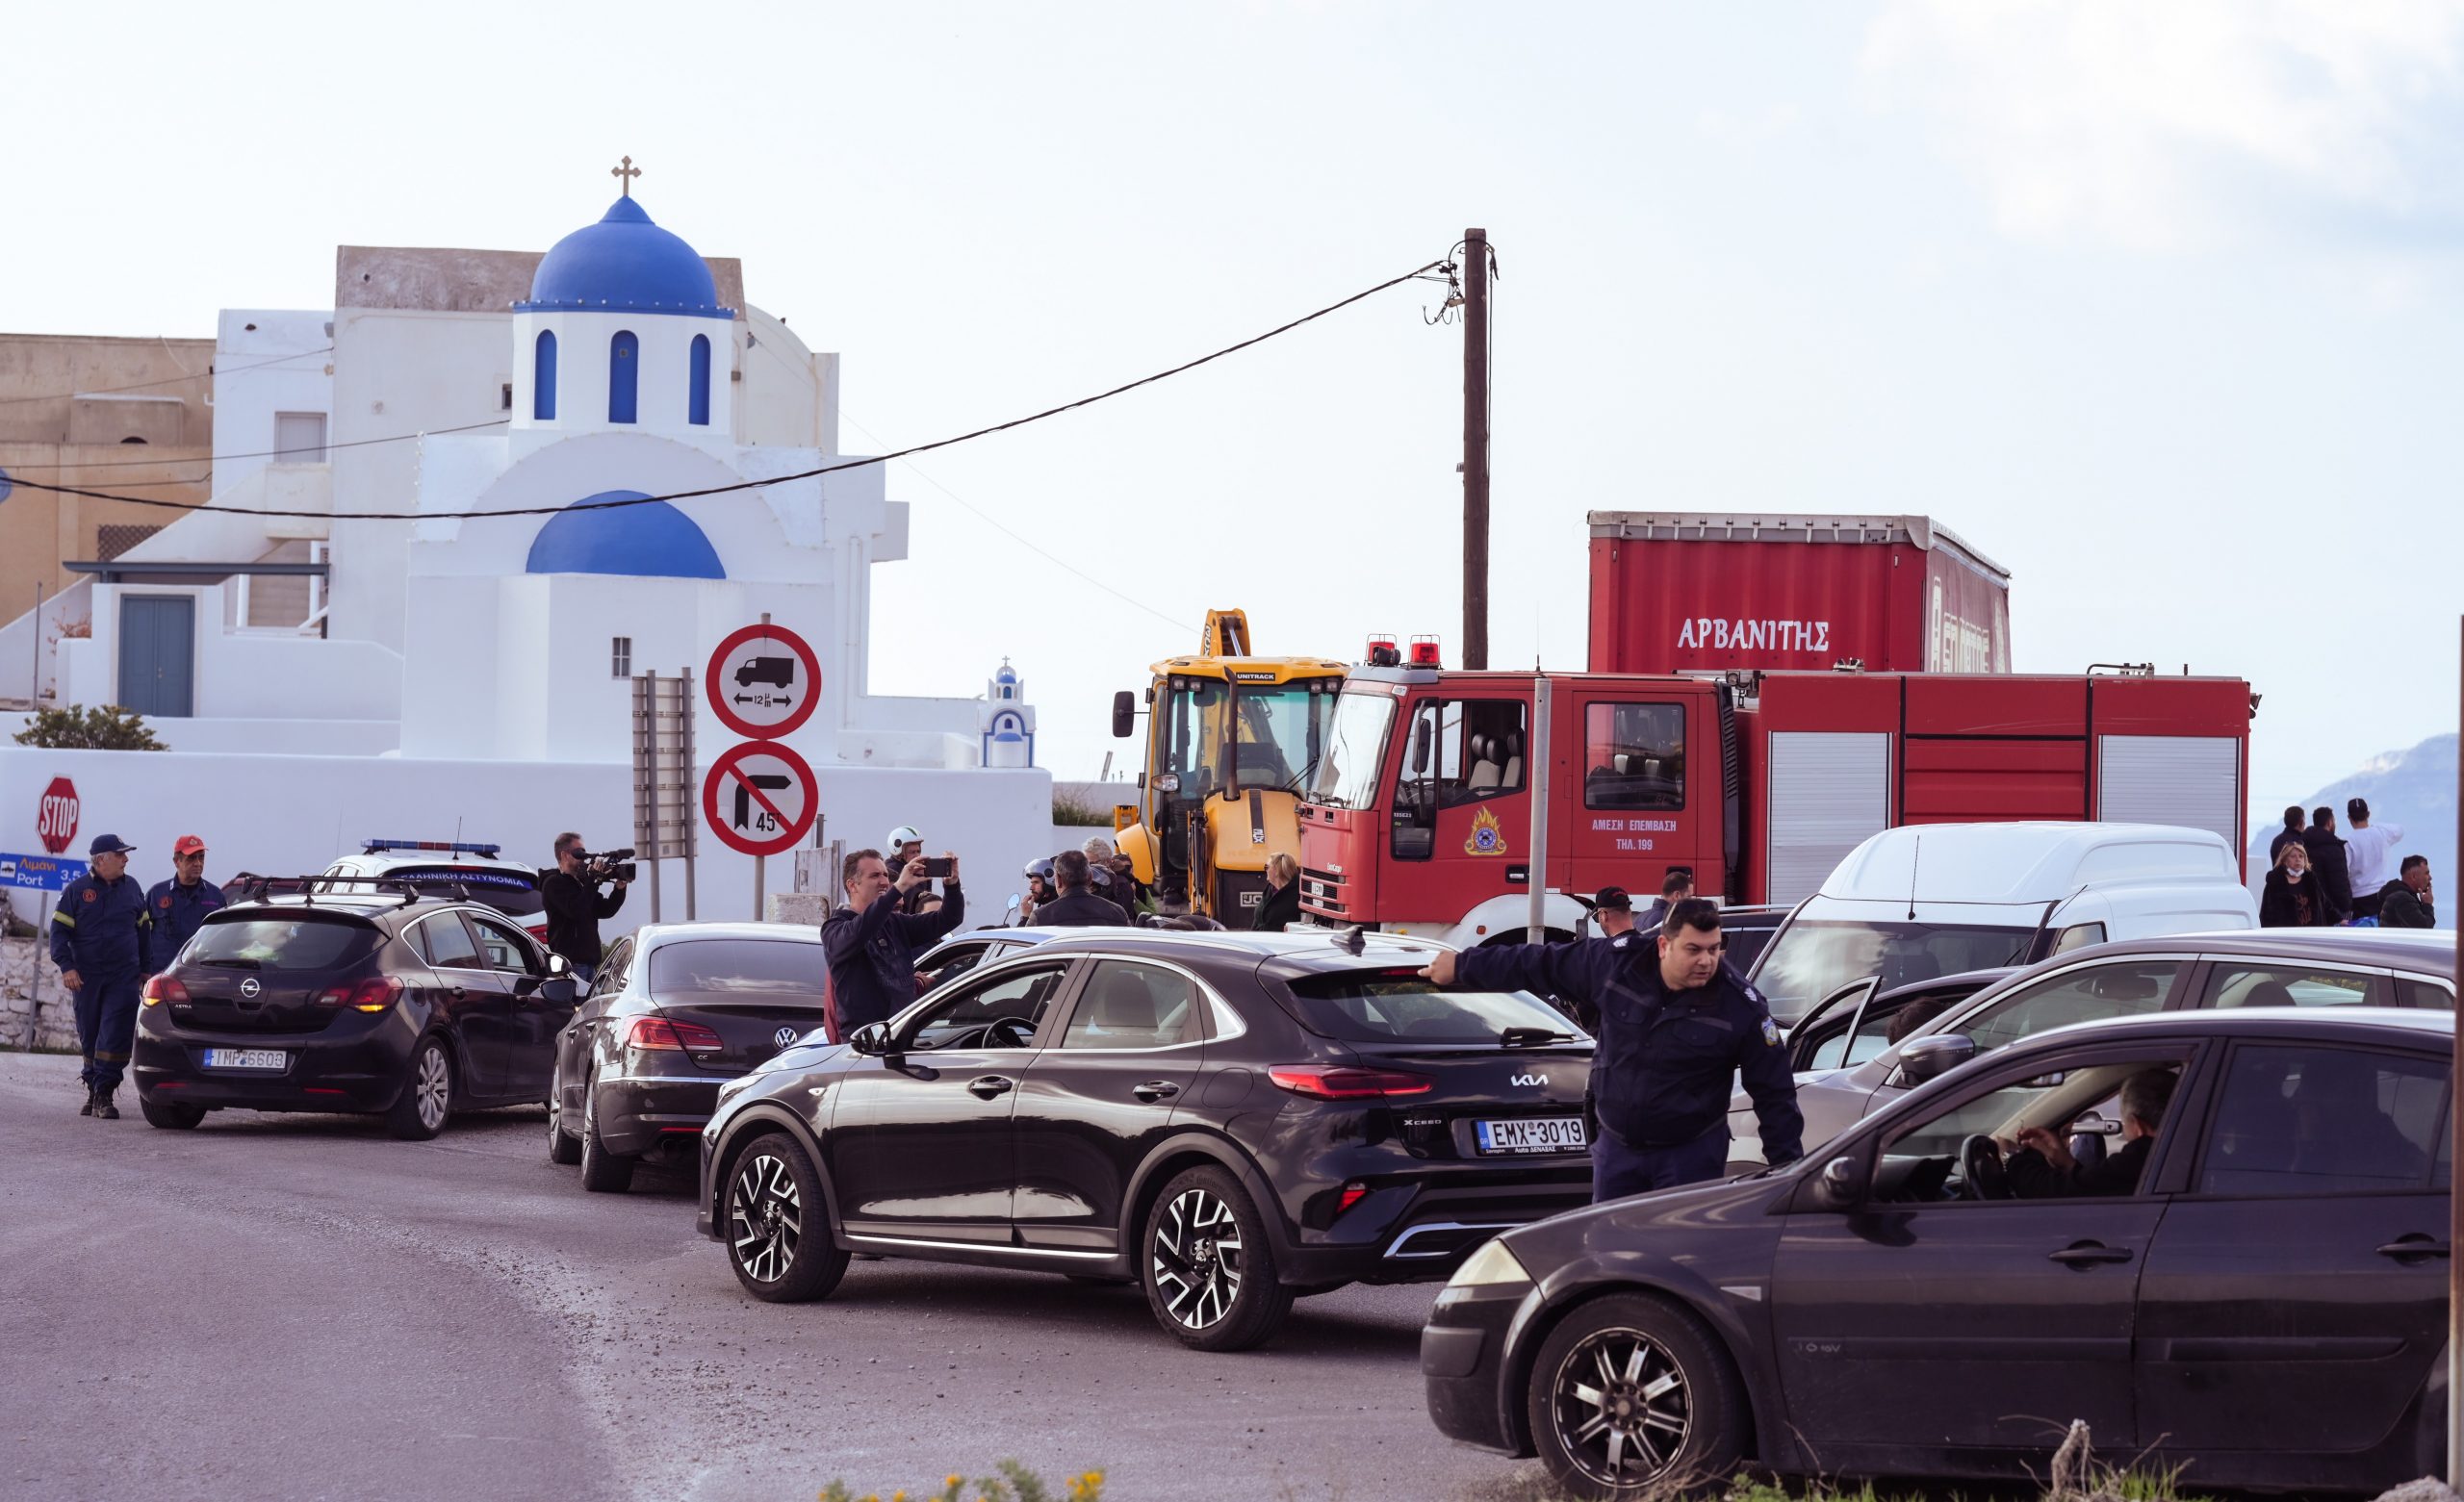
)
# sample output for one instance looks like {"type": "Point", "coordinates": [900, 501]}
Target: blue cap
{"type": "Point", "coordinates": [108, 844]}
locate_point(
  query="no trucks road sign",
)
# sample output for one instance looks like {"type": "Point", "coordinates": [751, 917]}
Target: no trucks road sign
{"type": "Point", "coordinates": [763, 681]}
{"type": "Point", "coordinates": [759, 798]}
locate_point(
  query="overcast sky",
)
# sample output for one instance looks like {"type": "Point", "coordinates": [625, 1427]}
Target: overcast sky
{"type": "Point", "coordinates": [2157, 305]}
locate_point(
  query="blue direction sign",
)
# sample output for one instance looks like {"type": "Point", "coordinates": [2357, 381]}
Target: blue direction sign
{"type": "Point", "coordinates": [38, 873]}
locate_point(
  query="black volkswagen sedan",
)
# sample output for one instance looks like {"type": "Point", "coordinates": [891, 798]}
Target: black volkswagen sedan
{"type": "Point", "coordinates": [675, 1009]}
{"type": "Point", "coordinates": [369, 1000]}
{"type": "Point", "coordinates": [2224, 1247]}
{"type": "Point", "coordinates": [1232, 1120]}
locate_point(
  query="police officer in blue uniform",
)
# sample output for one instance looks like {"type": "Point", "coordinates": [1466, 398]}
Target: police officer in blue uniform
{"type": "Point", "coordinates": [98, 935]}
{"type": "Point", "coordinates": [1675, 1026]}
{"type": "Point", "coordinates": [178, 907]}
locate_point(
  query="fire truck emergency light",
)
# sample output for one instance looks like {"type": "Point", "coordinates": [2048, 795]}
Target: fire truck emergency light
{"type": "Point", "coordinates": [1424, 651]}
{"type": "Point", "coordinates": [1382, 652]}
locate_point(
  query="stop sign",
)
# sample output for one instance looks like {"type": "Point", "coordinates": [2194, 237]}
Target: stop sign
{"type": "Point", "coordinates": [56, 816]}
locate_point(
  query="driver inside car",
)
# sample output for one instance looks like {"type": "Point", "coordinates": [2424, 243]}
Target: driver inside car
{"type": "Point", "coordinates": [2039, 1164]}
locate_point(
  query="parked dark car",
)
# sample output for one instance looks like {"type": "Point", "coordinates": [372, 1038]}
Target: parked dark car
{"type": "Point", "coordinates": [2253, 967]}
{"type": "Point", "coordinates": [1232, 1120]}
{"type": "Point", "coordinates": [2266, 1305]}
{"type": "Point", "coordinates": [366, 1001]}
{"type": "Point", "coordinates": [675, 1009]}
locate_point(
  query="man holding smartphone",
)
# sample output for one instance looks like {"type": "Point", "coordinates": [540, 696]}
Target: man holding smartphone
{"type": "Point", "coordinates": [871, 946]}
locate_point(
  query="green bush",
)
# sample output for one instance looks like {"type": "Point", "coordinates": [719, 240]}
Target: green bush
{"type": "Point", "coordinates": [77, 728]}
{"type": "Point", "coordinates": [1071, 812]}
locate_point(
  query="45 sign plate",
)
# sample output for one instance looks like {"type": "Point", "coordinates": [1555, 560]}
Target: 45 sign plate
{"type": "Point", "coordinates": [759, 798]}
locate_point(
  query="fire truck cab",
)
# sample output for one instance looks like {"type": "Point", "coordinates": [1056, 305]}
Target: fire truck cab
{"type": "Point", "coordinates": [1419, 819]}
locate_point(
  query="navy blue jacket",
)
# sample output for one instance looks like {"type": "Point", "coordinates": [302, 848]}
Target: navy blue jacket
{"type": "Point", "coordinates": [1662, 1074]}
{"type": "Point", "coordinates": [99, 928]}
{"type": "Point", "coordinates": [178, 912]}
{"type": "Point", "coordinates": [872, 953]}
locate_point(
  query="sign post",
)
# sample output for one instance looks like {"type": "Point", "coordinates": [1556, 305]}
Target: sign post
{"type": "Point", "coordinates": [56, 816]}
{"type": "Point", "coordinates": [664, 821]}
{"type": "Point", "coordinates": [764, 682]}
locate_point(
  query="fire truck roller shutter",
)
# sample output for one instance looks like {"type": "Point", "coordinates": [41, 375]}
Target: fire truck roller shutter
{"type": "Point", "coordinates": [2193, 781]}
{"type": "Point", "coordinates": [1830, 791]}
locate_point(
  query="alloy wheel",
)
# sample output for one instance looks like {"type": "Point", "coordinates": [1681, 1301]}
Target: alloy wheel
{"type": "Point", "coordinates": [433, 1087]}
{"type": "Point", "coordinates": [1622, 1407]}
{"type": "Point", "coordinates": [1197, 1258]}
{"type": "Point", "coordinates": [765, 1218]}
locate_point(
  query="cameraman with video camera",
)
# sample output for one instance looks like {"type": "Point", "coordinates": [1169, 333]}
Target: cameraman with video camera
{"type": "Point", "coordinates": [573, 904]}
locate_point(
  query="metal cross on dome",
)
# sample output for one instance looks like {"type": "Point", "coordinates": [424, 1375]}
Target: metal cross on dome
{"type": "Point", "coordinates": [625, 175]}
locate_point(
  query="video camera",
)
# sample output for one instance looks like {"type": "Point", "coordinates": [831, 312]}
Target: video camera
{"type": "Point", "coordinates": [607, 865]}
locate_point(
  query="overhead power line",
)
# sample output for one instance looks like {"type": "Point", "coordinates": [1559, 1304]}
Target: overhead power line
{"type": "Point", "coordinates": [746, 485]}
{"type": "Point", "coordinates": [168, 380]}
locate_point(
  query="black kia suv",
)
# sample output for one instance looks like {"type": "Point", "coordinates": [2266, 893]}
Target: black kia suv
{"type": "Point", "coordinates": [369, 999]}
{"type": "Point", "coordinates": [1232, 1120]}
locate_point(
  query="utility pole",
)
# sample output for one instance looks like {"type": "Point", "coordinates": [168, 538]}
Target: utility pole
{"type": "Point", "coordinates": [1476, 450]}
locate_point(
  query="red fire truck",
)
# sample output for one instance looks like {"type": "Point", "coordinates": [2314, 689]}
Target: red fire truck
{"type": "Point", "coordinates": [1439, 793]}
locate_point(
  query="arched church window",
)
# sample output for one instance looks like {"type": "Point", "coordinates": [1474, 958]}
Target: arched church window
{"type": "Point", "coordinates": [698, 398]}
{"type": "Point", "coordinates": [624, 375]}
{"type": "Point", "coordinates": [543, 378]}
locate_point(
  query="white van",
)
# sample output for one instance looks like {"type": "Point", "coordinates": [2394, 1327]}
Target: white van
{"type": "Point", "coordinates": [1932, 900]}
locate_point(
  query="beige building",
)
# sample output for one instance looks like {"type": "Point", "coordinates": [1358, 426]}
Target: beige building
{"type": "Point", "coordinates": [125, 414]}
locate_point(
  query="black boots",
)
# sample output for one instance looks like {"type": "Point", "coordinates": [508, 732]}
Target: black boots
{"type": "Point", "coordinates": [103, 1105]}
{"type": "Point", "coordinates": [87, 1110]}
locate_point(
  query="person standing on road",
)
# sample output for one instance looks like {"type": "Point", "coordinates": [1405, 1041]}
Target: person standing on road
{"type": "Point", "coordinates": [2405, 903]}
{"type": "Point", "coordinates": [2289, 834]}
{"type": "Point", "coordinates": [2370, 850]}
{"type": "Point", "coordinates": [2292, 898]}
{"type": "Point", "coordinates": [1281, 907]}
{"type": "Point", "coordinates": [2327, 861]}
{"type": "Point", "coordinates": [1077, 908]}
{"type": "Point", "coordinates": [98, 941]}
{"type": "Point", "coordinates": [870, 945]}
{"type": "Point", "coordinates": [178, 907]}
{"type": "Point", "coordinates": [1040, 891]}
{"type": "Point", "coordinates": [1675, 1026]}
{"type": "Point", "coordinates": [575, 907]}
{"type": "Point", "coordinates": [1674, 888]}
{"type": "Point", "coordinates": [906, 844]}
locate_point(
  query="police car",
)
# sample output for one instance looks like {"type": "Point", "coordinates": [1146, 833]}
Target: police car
{"type": "Point", "coordinates": [436, 868]}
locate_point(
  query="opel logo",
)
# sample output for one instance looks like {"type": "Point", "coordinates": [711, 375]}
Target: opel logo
{"type": "Point", "coordinates": [249, 989]}
{"type": "Point", "coordinates": [785, 1037]}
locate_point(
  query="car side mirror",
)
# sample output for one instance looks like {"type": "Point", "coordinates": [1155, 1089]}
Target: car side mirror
{"type": "Point", "coordinates": [1124, 714]}
{"type": "Point", "coordinates": [872, 1038]}
{"type": "Point", "coordinates": [560, 990]}
{"type": "Point", "coordinates": [1841, 1185]}
{"type": "Point", "coordinates": [1420, 746]}
{"type": "Point", "coordinates": [1932, 1057]}
{"type": "Point", "coordinates": [558, 964]}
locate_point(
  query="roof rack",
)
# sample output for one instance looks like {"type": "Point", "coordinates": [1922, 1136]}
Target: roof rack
{"type": "Point", "coordinates": [378, 847]}
{"type": "Point", "coordinates": [306, 887]}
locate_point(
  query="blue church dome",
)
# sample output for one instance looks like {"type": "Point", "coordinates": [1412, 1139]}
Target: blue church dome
{"type": "Point", "coordinates": [653, 539]}
{"type": "Point", "coordinates": [624, 264]}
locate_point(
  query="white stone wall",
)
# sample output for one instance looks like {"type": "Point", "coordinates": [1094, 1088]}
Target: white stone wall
{"type": "Point", "coordinates": [35, 1009]}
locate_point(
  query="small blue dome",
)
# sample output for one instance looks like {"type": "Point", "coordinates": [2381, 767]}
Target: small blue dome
{"type": "Point", "coordinates": [624, 264]}
{"type": "Point", "coordinates": [653, 539]}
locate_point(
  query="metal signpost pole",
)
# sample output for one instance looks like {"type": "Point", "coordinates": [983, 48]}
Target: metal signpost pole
{"type": "Point", "coordinates": [2456, 1128]}
{"type": "Point", "coordinates": [1538, 885]}
{"type": "Point", "coordinates": [762, 863]}
{"type": "Point", "coordinates": [692, 820]}
{"type": "Point", "coordinates": [646, 775]}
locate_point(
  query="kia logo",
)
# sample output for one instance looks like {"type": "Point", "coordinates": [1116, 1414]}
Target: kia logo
{"type": "Point", "coordinates": [1531, 1078]}
{"type": "Point", "coordinates": [249, 989]}
{"type": "Point", "coordinates": [784, 1037]}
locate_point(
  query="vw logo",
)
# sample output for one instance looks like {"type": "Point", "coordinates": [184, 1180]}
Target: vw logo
{"type": "Point", "coordinates": [249, 989]}
{"type": "Point", "coordinates": [784, 1037]}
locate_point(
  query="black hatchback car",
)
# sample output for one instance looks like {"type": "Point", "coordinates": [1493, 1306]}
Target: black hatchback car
{"type": "Point", "coordinates": [2255, 1292]}
{"type": "Point", "coordinates": [372, 1001]}
{"type": "Point", "coordinates": [1232, 1120]}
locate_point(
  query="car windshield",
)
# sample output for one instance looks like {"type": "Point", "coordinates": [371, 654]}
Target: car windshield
{"type": "Point", "coordinates": [1810, 961]}
{"type": "Point", "coordinates": [290, 942]}
{"type": "Point", "coordinates": [1347, 775]}
{"type": "Point", "coordinates": [1279, 731]}
{"type": "Point", "coordinates": [1390, 1006]}
{"type": "Point", "coordinates": [509, 892]}
{"type": "Point", "coordinates": [736, 967]}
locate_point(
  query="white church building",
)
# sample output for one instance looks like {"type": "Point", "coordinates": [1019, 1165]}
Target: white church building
{"type": "Point", "coordinates": [437, 565]}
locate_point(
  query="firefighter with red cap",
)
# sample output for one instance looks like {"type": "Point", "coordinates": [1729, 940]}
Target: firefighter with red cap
{"type": "Point", "coordinates": [178, 907]}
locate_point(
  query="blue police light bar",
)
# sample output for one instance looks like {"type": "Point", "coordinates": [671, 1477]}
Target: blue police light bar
{"type": "Point", "coordinates": [372, 847]}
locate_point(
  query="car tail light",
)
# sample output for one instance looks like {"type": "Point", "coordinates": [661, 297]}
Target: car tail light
{"type": "Point", "coordinates": [163, 988]}
{"type": "Point", "coordinates": [1352, 1194]}
{"type": "Point", "coordinates": [667, 1032]}
{"type": "Point", "coordinates": [1347, 1082]}
{"type": "Point", "coordinates": [374, 994]}
{"type": "Point", "coordinates": [537, 930]}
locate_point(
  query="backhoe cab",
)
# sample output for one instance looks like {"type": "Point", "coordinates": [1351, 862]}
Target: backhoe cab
{"type": "Point", "coordinates": [1232, 741]}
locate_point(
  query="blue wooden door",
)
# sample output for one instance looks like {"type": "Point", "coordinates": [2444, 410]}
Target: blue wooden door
{"type": "Point", "coordinates": [158, 655]}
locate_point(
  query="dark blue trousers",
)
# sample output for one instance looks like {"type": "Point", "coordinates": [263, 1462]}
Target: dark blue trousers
{"type": "Point", "coordinates": [106, 1027]}
{"type": "Point", "coordinates": [1619, 1168]}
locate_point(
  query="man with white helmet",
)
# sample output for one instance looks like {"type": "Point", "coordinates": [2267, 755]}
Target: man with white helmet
{"type": "Point", "coordinates": [906, 843]}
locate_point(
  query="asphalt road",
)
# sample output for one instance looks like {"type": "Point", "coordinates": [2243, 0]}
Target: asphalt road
{"type": "Point", "coordinates": [299, 1307]}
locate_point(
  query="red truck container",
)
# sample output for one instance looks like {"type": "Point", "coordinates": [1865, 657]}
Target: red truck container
{"type": "Point", "coordinates": [1418, 816]}
{"type": "Point", "coordinates": [1695, 592]}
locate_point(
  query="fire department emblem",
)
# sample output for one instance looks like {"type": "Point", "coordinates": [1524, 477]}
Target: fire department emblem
{"type": "Point", "coordinates": [1487, 839]}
